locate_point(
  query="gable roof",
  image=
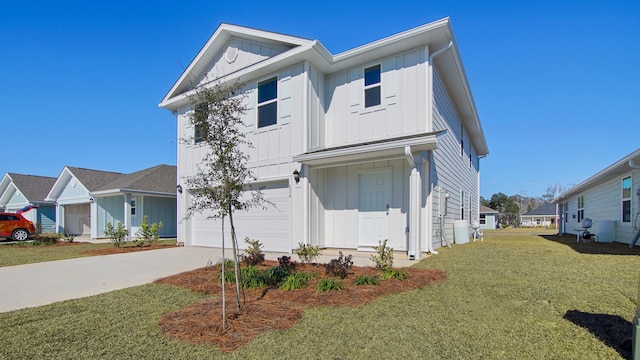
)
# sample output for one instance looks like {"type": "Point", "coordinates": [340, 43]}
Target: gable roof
{"type": "Point", "coordinates": [620, 167]}
{"type": "Point", "coordinates": [546, 209]}
{"type": "Point", "coordinates": [93, 179]}
{"type": "Point", "coordinates": [33, 187]}
{"type": "Point", "coordinates": [157, 179]}
{"type": "Point", "coordinates": [487, 210]}
{"type": "Point", "coordinates": [437, 35]}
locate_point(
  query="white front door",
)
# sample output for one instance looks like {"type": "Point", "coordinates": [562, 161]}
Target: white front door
{"type": "Point", "coordinates": [373, 207]}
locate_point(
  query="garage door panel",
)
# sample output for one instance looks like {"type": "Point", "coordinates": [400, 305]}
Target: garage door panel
{"type": "Point", "coordinates": [269, 225]}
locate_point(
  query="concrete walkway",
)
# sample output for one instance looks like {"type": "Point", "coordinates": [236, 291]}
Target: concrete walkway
{"type": "Point", "coordinates": [31, 285]}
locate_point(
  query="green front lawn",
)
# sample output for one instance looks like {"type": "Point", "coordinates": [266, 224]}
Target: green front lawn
{"type": "Point", "coordinates": [514, 296]}
{"type": "Point", "coordinates": [20, 254]}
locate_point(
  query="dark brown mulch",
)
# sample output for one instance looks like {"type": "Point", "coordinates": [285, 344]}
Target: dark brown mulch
{"type": "Point", "coordinates": [121, 250]}
{"type": "Point", "coordinates": [269, 309]}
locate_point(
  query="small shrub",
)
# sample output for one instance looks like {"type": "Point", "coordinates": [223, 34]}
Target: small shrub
{"type": "Point", "coordinates": [367, 280]}
{"type": "Point", "coordinates": [286, 263]}
{"type": "Point", "coordinates": [69, 238]}
{"type": "Point", "coordinates": [275, 275]}
{"type": "Point", "coordinates": [228, 263]}
{"type": "Point", "coordinates": [117, 235]}
{"type": "Point", "coordinates": [326, 285]}
{"type": "Point", "coordinates": [253, 254]}
{"type": "Point", "coordinates": [384, 256]}
{"type": "Point", "coordinates": [253, 278]}
{"type": "Point", "coordinates": [307, 253]}
{"type": "Point", "coordinates": [339, 267]}
{"type": "Point", "coordinates": [148, 234]}
{"type": "Point", "coordinates": [295, 281]}
{"type": "Point", "coordinates": [394, 274]}
{"type": "Point", "coordinates": [46, 239]}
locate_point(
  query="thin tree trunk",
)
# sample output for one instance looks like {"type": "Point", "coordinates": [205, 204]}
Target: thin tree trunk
{"type": "Point", "coordinates": [236, 265]}
{"type": "Point", "coordinates": [224, 310]}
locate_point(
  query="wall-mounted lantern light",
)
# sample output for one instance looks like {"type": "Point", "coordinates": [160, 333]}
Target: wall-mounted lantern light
{"type": "Point", "coordinates": [92, 200]}
{"type": "Point", "coordinates": [179, 188]}
{"type": "Point", "coordinates": [296, 176]}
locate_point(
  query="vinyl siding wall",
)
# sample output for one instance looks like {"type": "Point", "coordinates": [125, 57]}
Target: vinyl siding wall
{"type": "Point", "coordinates": [604, 202]}
{"type": "Point", "coordinates": [451, 171]}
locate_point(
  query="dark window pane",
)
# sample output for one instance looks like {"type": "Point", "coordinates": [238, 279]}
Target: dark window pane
{"type": "Point", "coordinates": [268, 114]}
{"type": "Point", "coordinates": [267, 90]}
{"type": "Point", "coordinates": [626, 211]}
{"type": "Point", "coordinates": [197, 134]}
{"type": "Point", "coordinates": [372, 75]}
{"type": "Point", "coordinates": [372, 96]}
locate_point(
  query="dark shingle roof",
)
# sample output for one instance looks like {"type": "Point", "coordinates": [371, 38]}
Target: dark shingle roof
{"type": "Point", "coordinates": [487, 210]}
{"type": "Point", "coordinates": [160, 178]}
{"type": "Point", "coordinates": [546, 209]}
{"type": "Point", "coordinates": [34, 188]}
{"type": "Point", "coordinates": [93, 179]}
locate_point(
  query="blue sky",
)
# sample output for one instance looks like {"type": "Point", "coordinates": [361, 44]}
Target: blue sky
{"type": "Point", "coordinates": [556, 84]}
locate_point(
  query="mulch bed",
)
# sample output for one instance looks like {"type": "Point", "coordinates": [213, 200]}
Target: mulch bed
{"type": "Point", "coordinates": [272, 308]}
{"type": "Point", "coordinates": [121, 250]}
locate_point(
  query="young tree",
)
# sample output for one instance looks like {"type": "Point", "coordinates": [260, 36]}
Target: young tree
{"type": "Point", "coordinates": [221, 184]}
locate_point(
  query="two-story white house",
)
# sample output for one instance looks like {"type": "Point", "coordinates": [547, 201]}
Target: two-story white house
{"type": "Point", "coordinates": [379, 142]}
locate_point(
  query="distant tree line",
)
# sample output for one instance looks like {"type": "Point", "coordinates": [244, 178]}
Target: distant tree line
{"type": "Point", "coordinates": [510, 208]}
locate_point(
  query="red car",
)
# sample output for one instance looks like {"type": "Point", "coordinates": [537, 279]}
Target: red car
{"type": "Point", "coordinates": [15, 226]}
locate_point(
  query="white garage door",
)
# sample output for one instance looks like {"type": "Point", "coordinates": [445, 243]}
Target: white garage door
{"type": "Point", "coordinates": [270, 226]}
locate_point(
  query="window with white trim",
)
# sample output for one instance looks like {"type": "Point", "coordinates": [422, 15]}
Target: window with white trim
{"type": "Point", "coordinates": [580, 208]}
{"type": "Point", "coordinates": [268, 102]}
{"type": "Point", "coordinates": [372, 91]}
{"type": "Point", "coordinates": [483, 219]}
{"type": "Point", "coordinates": [133, 207]}
{"type": "Point", "coordinates": [626, 199]}
{"type": "Point", "coordinates": [462, 212]}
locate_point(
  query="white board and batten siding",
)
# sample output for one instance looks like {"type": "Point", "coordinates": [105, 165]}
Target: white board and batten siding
{"type": "Point", "coordinates": [401, 112]}
{"type": "Point", "coordinates": [335, 217]}
{"type": "Point", "coordinates": [452, 171]}
{"type": "Point", "coordinates": [269, 160]}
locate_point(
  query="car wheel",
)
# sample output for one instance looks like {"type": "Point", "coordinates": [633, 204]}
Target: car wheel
{"type": "Point", "coordinates": [20, 235]}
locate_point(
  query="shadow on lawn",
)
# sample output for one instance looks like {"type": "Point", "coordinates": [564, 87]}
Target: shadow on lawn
{"type": "Point", "coordinates": [613, 330]}
{"type": "Point", "coordinates": [591, 247]}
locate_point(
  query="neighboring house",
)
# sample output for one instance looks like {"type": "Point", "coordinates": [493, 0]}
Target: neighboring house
{"type": "Point", "coordinates": [350, 149]}
{"type": "Point", "coordinates": [26, 194]}
{"type": "Point", "coordinates": [488, 218]}
{"type": "Point", "coordinates": [542, 216]}
{"type": "Point", "coordinates": [609, 198]}
{"type": "Point", "coordinates": [88, 199]}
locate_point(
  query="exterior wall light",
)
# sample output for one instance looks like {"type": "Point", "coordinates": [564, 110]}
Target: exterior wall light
{"type": "Point", "coordinates": [179, 188]}
{"type": "Point", "coordinates": [296, 176]}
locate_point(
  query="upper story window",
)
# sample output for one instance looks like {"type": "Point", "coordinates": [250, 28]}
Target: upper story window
{"type": "Point", "coordinates": [268, 102]}
{"type": "Point", "coordinates": [197, 130]}
{"type": "Point", "coordinates": [580, 208]}
{"type": "Point", "coordinates": [372, 93]}
{"type": "Point", "coordinates": [626, 200]}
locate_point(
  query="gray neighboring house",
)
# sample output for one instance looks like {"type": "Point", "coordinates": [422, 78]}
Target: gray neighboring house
{"type": "Point", "coordinates": [610, 198]}
{"type": "Point", "coordinates": [26, 194]}
{"type": "Point", "coordinates": [89, 199]}
{"type": "Point", "coordinates": [488, 218]}
{"type": "Point", "coordinates": [542, 216]}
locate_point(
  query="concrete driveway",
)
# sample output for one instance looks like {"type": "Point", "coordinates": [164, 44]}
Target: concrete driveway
{"type": "Point", "coordinates": [31, 285]}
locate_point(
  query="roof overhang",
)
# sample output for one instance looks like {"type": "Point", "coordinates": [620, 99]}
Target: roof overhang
{"type": "Point", "coordinates": [111, 192]}
{"type": "Point", "coordinates": [619, 168]}
{"type": "Point", "coordinates": [370, 151]}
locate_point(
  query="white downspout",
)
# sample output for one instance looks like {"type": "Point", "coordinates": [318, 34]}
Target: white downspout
{"type": "Point", "coordinates": [413, 228]}
{"type": "Point", "coordinates": [430, 248]}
